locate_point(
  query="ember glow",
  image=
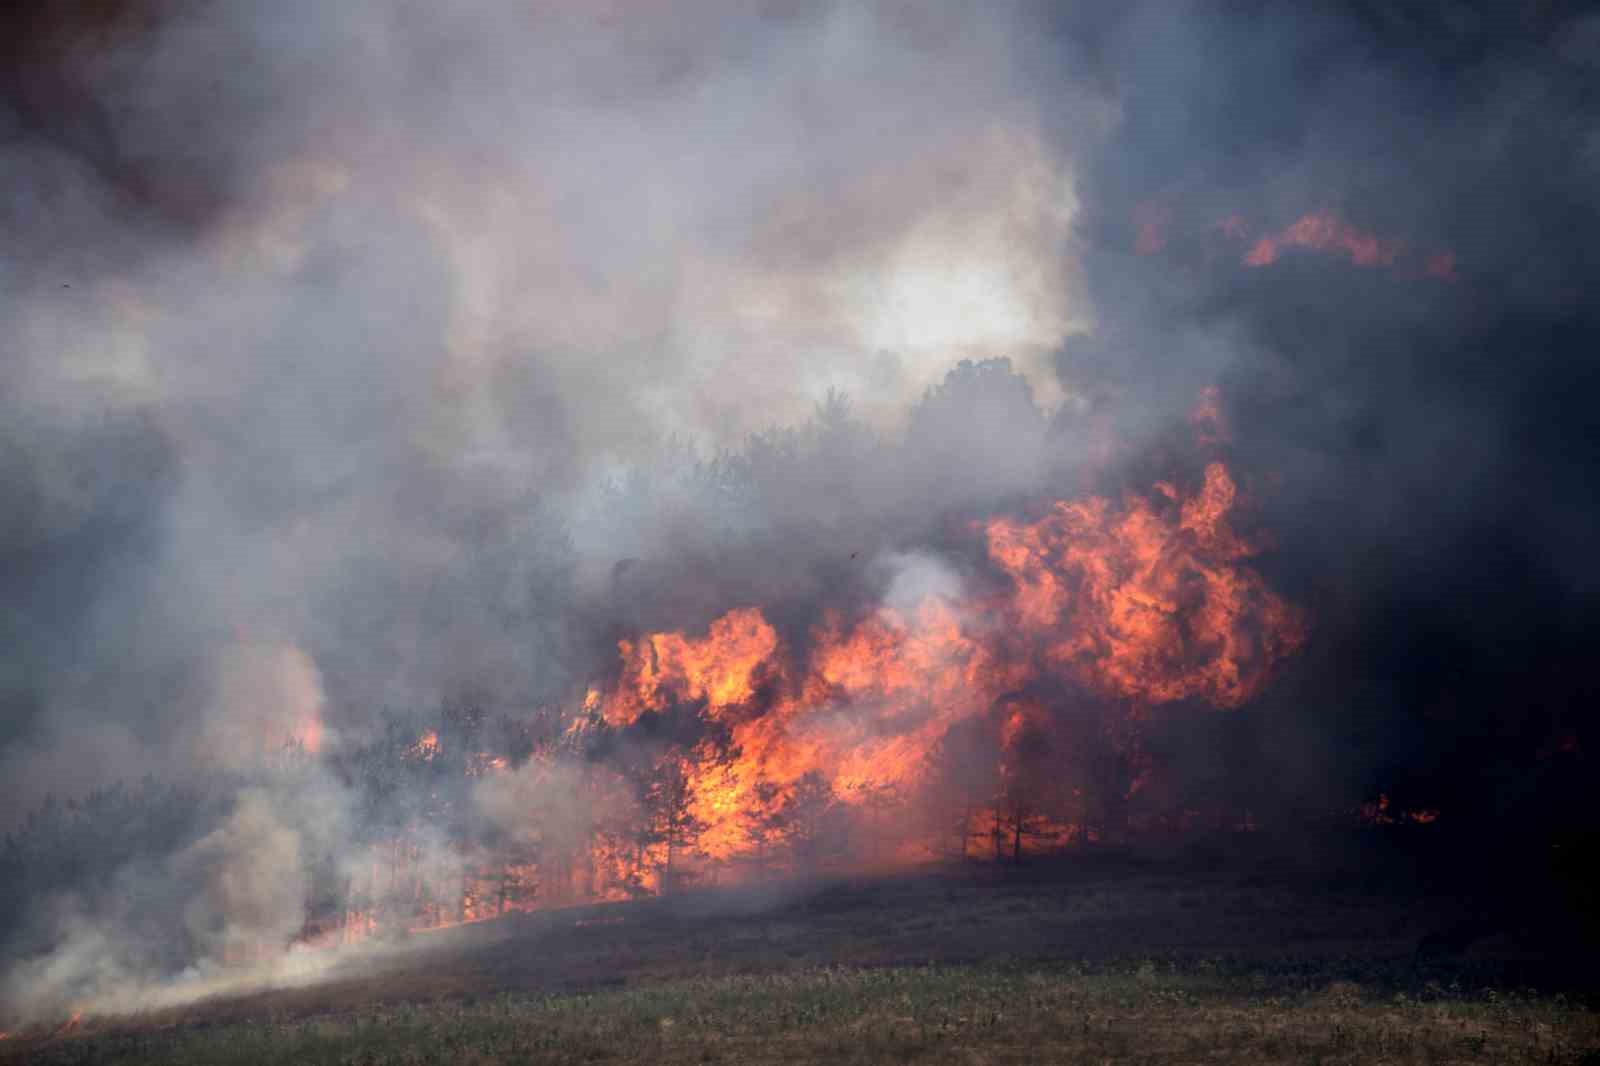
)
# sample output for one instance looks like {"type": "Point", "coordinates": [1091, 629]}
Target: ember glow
{"type": "Point", "coordinates": [1381, 811]}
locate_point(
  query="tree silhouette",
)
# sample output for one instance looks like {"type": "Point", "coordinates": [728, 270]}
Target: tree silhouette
{"type": "Point", "coordinates": [669, 819]}
{"type": "Point", "coordinates": [763, 823]}
{"type": "Point", "coordinates": [811, 821]}
{"type": "Point", "coordinates": [960, 780]}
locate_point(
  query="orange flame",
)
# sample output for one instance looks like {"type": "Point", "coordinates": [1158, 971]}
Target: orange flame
{"type": "Point", "coordinates": [1111, 606]}
{"type": "Point", "coordinates": [1319, 231]}
{"type": "Point", "coordinates": [722, 669]}
{"type": "Point", "coordinates": [1146, 601]}
{"type": "Point", "coordinates": [427, 746]}
{"type": "Point", "coordinates": [1323, 232]}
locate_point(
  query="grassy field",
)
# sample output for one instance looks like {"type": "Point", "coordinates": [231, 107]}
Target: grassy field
{"type": "Point", "coordinates": [896, 1014]}
{"type": "Point", "coordinates": [1058, 963]}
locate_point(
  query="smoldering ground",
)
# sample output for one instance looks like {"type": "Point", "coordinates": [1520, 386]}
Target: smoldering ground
{"type": "Point", "coordinates": [364, 355]}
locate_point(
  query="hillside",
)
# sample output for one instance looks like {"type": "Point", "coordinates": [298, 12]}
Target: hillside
{"type": "Point", "coordinates": [1108, 957]}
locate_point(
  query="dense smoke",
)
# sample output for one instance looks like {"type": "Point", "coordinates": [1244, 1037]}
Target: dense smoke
{"type": "Point", "coordinates": [328, 328]}
{"type": "Point", "coordinates": [366, 360]}
{"type": "Point", "coordinates": [1422, 407]}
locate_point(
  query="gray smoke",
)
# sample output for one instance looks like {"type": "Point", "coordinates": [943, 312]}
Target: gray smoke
{"type": "Point", "coordinates": [366, 355]}
{"type": "Point", "coordinates": [329, 327]}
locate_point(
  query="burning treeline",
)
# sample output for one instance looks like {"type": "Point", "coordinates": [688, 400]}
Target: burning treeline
{"type": "Point", "coordinates": [991, 716]}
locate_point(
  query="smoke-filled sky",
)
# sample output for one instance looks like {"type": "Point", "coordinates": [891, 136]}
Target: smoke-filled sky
{"type": "Point", "coordinates": [327, 324]}
{"type": "Point", "coordinates": [299, 293]}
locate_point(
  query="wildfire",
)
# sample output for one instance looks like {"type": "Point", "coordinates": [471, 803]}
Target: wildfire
{"type": "Point", "coordinates": [1004, 714]}
{"type": "Point", "coordinates": [722, 669]}
{"type": "Point", "coordinates": [1322, 231]}
{"type": "Point", "coordinates": [1141, 601]}
{"type": "Point", "coordinates": [426, 747]}
{"type": "Point", "coordinates": [483, 762]}
{"type": "Point", "coordinates": [1147, 601]}
{"type": "Point", "coordinates": [1381, 812]}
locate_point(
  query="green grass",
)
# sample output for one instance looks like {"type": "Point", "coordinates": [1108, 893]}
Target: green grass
{"type": "Point", "coordinates": [900, 1014]}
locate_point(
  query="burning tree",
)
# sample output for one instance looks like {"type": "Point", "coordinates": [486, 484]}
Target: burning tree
{"type": "Point", "coordinates": [1007, 702]}
{"type": "Point", "coordinates": [1028, 801]}
{"type": "Point", "coordinates": [1010, 706]}
{"type": "Point", "coordinates": [763, 824]}
{"type": "Point", "coordinates": [810, 820]}
{"type": "Point", "coordinates": [668, 825]}
{"type": "Point", "coordinates": [960, 779]}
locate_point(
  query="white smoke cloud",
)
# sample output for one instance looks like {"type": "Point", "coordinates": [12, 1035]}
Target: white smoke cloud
{"type": "Point", "coordinates": [454, 263]}
{"type": "Point", "coordinates": [917, 577]}
{"type": "Point", "coordinates": [240, 892]}
{"type": "Point", "coordinates": [263, 697]}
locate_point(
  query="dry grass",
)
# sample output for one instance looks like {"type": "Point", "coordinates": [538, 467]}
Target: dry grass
{"type": "Point", "coordinates": [921, 1014]}
{"type": "Point", "coordinates": [976, 967]}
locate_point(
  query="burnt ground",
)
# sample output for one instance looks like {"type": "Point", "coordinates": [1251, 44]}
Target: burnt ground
{"type": "Point", "coordinates": [1256, 922]}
